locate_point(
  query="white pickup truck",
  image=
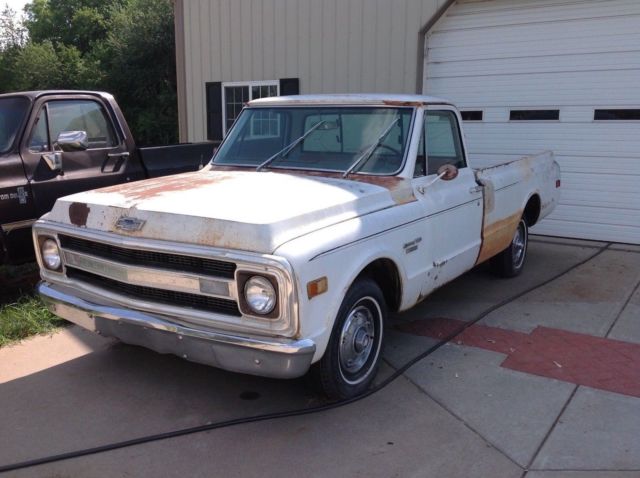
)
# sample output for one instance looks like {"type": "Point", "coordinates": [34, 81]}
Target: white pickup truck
{"type": "Point", "coordinates": [317, 216]}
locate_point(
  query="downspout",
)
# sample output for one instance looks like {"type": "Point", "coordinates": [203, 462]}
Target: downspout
{"type": "Point", "coordinates": [181, 70]}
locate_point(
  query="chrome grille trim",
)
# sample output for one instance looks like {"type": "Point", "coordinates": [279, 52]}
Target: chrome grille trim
{"type": "Point", "coordinates": [144, 276]}
{"type": "Point", "coordinates": [287, 325]}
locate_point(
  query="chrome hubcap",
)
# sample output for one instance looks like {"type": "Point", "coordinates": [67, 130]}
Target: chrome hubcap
{"type": "Point", "coordinates": [519, 244]}
{"type": "Point", "coordinates": [357, 339]}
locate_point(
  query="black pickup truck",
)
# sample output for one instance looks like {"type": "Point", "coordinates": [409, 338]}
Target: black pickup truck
{"type": "Point", "coordinates": [55, 143]}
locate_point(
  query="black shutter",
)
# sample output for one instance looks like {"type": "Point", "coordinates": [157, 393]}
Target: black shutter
{"type": "Point", "coordinates": [289, 86]}
{"type": "Point", "coordinates": [214, 111]}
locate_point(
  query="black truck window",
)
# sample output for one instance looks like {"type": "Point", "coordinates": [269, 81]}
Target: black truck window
{"type": "Point", "coordinates": [39, 140]}
{"type": "Point", "coordinates": [12, 113]}
{"type": "Point", "coordinates": [81, 115]}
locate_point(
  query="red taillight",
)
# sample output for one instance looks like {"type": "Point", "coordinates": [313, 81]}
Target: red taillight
{"type": "Point", "coordinates": [557, 183]}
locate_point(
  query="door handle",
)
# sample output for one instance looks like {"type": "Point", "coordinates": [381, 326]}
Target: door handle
{"type": "Point", "coordinates": [475, 189]}
{"type": "Point", "coordinates": [115, 160]}
{"type": "Point", "coordinates": [123, 155]}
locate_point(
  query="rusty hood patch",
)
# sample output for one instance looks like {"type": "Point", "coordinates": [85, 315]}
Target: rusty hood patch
{"type": "Point", "coordinates": [243, 210]}
{"type": "Point", "coordinates": [78, 214]}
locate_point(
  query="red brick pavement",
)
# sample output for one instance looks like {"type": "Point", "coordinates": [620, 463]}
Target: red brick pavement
{"type": "Point", "coordinates": [582, 359]}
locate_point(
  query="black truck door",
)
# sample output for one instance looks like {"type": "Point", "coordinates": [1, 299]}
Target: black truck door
{"type": "Point", "coordinates": [105, 162]}
{"type": "Point", "coordinates": [16, 202]}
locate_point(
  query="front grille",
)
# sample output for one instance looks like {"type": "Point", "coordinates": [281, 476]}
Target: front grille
{"type": "Point", "coordinates": [176, 262]}
{"type": "Point", "coordinates": [182, 299]}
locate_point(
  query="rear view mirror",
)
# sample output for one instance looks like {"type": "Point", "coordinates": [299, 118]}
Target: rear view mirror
{"type": "Point", "coordinates": [328, 125]}
{"type": "Point", "coordinates": [447, 172]}
{"type": "Point", "coordinates": [69, 141]}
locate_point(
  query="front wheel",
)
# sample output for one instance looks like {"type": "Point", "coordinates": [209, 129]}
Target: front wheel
{"type": "Point", "coordinates": [352, 357]}
{"type": "Point", "coordinates": [510, 262]}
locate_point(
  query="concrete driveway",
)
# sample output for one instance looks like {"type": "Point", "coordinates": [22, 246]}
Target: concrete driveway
{"type": "Point", "coordinates": [545, 386]}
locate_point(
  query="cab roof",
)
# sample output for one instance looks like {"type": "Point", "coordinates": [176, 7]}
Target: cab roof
{"type": "Point", "coordinates": [37, 94]}
{"type": "Point", "coordinates": [351, 99]}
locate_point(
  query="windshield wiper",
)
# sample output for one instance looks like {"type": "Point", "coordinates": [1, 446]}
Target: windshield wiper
{"type": "Point", "coordinates": [367, 154]}
{"type": "Point", "coordinates": [288, 148]}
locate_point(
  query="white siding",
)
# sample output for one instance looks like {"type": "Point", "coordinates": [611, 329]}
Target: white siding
{"type": "Point", "coordinates": [574, 56]}
{"type": "Point", "coordinates": [333, 46]}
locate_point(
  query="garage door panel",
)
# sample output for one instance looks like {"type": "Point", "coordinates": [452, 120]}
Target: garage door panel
{"type": "Point", "coordinates": [523, 35]}
{"type": "Point", "coordinates": [570, 55]}
{"type": "Point", "coordinates": [550, 64]}
{"type": "Point", "coordinates": [467, 7]}
{"type": "Point", "coordinates": [538, 88]}
{"type": "Point", "coordinates": [587, 230]}
{"type": "Point", "coordinates": [603, 216]}
{"type": "Point", "coordinates": [537, 14]}
{"type": "Point", "coordinates": [535, 47]}
{"type": "Point", "coordinates": [570, 164]}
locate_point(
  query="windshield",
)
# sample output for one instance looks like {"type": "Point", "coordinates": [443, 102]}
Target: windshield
{"type": "Point", "coordinates": [12, 112]}
{"type": "Point", "coordinates": [373, 139]}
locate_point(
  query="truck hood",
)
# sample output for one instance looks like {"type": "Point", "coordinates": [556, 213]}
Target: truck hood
{"type": "Point", "coordinates": [243, 210]}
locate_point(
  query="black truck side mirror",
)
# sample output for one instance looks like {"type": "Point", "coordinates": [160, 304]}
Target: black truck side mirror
{"type": "Point", "coordinates": [69, 141]}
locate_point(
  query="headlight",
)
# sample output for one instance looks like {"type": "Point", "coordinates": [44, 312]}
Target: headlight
{"type": "Point", "coordinates": [260, 295]}
{"type": "Point", "coordinates": [51, 254]}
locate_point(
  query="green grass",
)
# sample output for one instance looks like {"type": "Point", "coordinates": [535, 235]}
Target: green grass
{"type": "Point", "coordinates": [26, 317]}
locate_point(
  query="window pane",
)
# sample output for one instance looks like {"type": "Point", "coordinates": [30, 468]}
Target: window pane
{"type": "Point", "coordinates": [443, 141]}
{"type": "Point", "coordinates": [235, 98]}
{"type": "Point", "coordinates": [534, 115]}
{"type": "Point", "coordinates": [346, 134]}
{"type": "Point", "coordinates": [39, 141]}
{"type": "Point", "coordinates": [81, 115]}
{"type": "Point", "coordinates": [12, 113]}
{"type": "Point", "coordinates": [471, 115]}
{"type": "Point", "coordinates": [617, 114]}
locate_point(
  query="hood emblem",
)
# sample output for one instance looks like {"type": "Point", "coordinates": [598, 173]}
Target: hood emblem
{"type": "Point", "coordinates": [129, 224]}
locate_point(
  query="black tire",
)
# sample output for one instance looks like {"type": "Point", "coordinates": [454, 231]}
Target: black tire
{"type": "Point", "coordinates": [351, 360]}
{"type": "Point", "coordinates": [510, 262]}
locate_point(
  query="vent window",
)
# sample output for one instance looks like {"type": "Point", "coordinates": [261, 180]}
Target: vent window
{"type": "Point", "coordinates": [534, 115]}
{"type": "Point", "coordinates": [617, 114]}
{"type": "Point", "coordinates": [471, 115]}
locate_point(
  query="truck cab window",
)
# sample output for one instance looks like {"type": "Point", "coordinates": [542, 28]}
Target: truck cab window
{"type": "Point", "coordinates": [39, 141]}
{"type": "Point", "coordinates": [421, 158]}
{"type": "Point", "coordinates": [444, 145]}
{"type": "Point", "coordinates": [81, 115]}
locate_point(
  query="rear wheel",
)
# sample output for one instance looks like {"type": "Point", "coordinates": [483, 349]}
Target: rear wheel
{"type": "Point", "coordinates": [352, 357]}
{"type": "Point", "coordinates": [510, 262]}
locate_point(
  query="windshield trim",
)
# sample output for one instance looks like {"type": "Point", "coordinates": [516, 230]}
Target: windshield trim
{"type": "Point", "coordinates": [271, 166]}
{"type": "Point", "coordinates": [21, 127]}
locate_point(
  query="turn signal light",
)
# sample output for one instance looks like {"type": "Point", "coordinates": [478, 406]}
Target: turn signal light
{"type": "Point", "coordinates": [317, 287]}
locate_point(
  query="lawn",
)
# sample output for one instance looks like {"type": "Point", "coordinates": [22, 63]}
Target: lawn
{"type": "Point", "coordinates": [22, 314]}
{"type": "Point", "coordinates": [26, 317]}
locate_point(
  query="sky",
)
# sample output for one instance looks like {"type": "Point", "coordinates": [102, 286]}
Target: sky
{"type": "Point", "coordinates": [16, 5]}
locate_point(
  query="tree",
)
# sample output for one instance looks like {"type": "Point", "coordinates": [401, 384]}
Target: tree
{"type": "Point", "coordinates": [138, 58]}
{"type": "Point", "coordinates": [40, 66]}
{"type": "Point", "coordinates": [125, 47]}
{"type": "Point", "coordinates": [79, 23]}
{"type": "Point", "coordinates": [12, 33]}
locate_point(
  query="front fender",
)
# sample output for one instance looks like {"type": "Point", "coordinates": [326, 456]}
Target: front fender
{"type": "Point", "coordinates": [340, 253]}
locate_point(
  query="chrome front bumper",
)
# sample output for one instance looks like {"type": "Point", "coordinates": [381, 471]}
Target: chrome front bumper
{"type": "Point", "coordinates": [279, 358]}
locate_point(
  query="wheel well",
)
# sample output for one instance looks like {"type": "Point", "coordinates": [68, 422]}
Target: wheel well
{"type": "Point", "coordinates": [385, 273]}
{"type": "Point", "coordinates": [532, 210]}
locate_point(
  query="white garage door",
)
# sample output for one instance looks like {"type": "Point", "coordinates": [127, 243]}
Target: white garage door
{"type": "Point", "coordinates": [551, 74]}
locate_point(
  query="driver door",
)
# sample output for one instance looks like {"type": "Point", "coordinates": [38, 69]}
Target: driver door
{"type": "Point", "coordinates": [103, 163]}
{"type": "Point", "coordinates": [452, 207]}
